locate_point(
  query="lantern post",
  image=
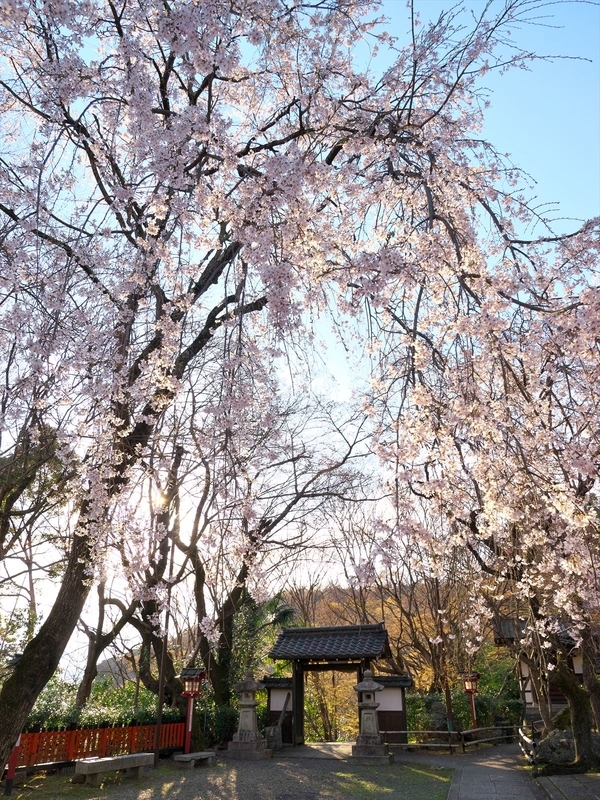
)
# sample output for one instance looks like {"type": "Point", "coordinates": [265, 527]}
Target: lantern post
{"type": "Point", "coordinates": [192, 686]}
{"type": "Point", "coordinates": [470, 682]}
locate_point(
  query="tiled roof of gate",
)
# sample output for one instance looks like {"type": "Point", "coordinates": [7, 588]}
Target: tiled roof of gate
{"type": "Point", "coordinates": [350, 642]}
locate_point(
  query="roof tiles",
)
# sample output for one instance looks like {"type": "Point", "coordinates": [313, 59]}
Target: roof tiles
{"type": "Point", "coordinates": [350, 642]}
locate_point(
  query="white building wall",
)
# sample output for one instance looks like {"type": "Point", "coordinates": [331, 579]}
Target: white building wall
{"type": "Point", "coordinates": [390, 699]}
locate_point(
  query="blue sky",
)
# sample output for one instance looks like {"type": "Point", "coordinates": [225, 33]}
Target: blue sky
{"type": "Point", "coordinates": [548, 118]}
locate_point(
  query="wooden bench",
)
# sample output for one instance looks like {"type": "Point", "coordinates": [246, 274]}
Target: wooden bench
{"type": "Point", "coordinates": [190, 760]}
{"type": "Point", "coordinates": [93, 770]}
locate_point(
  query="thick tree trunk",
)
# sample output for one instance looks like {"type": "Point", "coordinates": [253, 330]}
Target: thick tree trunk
{"type": "Point", "coordinates": [590, 679]}
{"type": "Point", "coordinates": [43, 652]}
{"type": "Point", "coordinates": [99, 642]}
{"type": "Point", "coordinates": [219, 678]}
{"type": "Point", "coordinates": [153, 644]}
{"type": "Point", "coordinates": [581, 722]}
{"type": "Point", "coordinates": [84, 689]}
{"type": "Point", "coordinates": [219, 668]}
{"type": "Point", "coordinates": [581, 715]}
{"type": "Point", "coordinates": [538, 687]}
{"type": "Point", "coordinates": [91, 667]}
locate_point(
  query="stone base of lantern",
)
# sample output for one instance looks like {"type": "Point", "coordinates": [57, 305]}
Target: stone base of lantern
{"type": "Point", "coordinates": [371, 749]}
{"type": "Point", "coordinates": [248, 746]}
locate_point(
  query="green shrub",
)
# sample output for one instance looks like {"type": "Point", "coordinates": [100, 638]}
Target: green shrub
{"type": "Point", "coordinates": [108, 705]}
{"type": "Point", "coordinates": [498, 672]}
{"type": "Point", "coordinates": [425, 712]}
{"type": "Point", "coordinates": [213, 725]}
{"type": "Point", "coordinates": [226, 721]}
{"type": "Point", "coordinates": [512, 709]}
{"type": "Point", "coordinates": [55, 707]}
{"type": "Point", "coordinates": [118, 705]}
{"type": "Point", "coordinates": [417, 716]}
{"type": "Point", "coordinates": [262, 713]}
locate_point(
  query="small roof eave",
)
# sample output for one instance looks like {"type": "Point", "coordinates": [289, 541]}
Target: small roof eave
{"type": "Point", "coordinates": [332, 643]}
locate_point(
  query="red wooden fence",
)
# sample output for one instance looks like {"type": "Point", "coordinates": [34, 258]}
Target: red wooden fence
{"type": "Point", "coordinates": [50, 746]}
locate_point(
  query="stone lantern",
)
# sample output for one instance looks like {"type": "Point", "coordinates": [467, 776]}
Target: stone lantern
{"type": "Point", "coordinates": [370, 747]}
{"type": "Point", "coordinates": [247, 743]}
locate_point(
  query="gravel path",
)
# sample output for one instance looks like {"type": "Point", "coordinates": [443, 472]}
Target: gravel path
{"type": "Point", "coordinates": [326, 772]}
{"type": "Point", "coordinates": [274, 779]}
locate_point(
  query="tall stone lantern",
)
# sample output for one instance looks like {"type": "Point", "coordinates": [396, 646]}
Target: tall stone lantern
{"type": "Point", "coordinates": [247, 743]}
{"type": "Point", "coordinates": [370, 747]}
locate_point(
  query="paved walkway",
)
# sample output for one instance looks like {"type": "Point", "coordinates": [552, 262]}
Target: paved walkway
{"type": "Point", "coordinates": [499, 772]}
{"type": "Point", "coordinates": [494, 773]}
{"type": "Point", "coordinates": [571, 787]}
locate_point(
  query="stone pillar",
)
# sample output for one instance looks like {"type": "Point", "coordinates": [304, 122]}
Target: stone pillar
{"type": "Point", "coordinates": [370, 747]}
{"type": "Point", "coordinates": [247, 743]}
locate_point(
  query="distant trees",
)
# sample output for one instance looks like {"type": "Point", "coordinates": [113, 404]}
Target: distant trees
{"type": "Point", "coordinates": [235, 503]}
{"type": "Point", "coordinates": [418, 589]}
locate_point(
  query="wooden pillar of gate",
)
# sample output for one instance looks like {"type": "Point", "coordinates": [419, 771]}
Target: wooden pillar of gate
{"type": "Point", "coordinates": [297, 702]}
